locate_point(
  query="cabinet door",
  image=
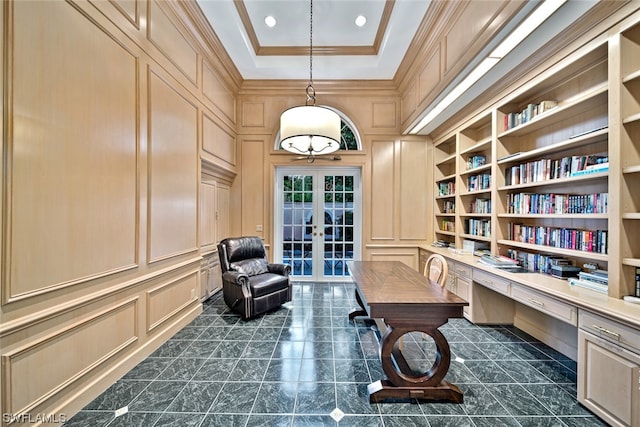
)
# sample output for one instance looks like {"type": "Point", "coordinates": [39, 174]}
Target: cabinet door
{"type": "Point", "coordinates": [207, 214]}
{"type": "Point", "coordinates": [222, 212]}
{"type": "Point", "coordinates": [608, 380]}
{"type": "Point", "coordinates": [463, 285]}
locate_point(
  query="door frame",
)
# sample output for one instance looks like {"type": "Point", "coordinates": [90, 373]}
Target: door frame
{"type": "Point", "coordinates": [317, 172]}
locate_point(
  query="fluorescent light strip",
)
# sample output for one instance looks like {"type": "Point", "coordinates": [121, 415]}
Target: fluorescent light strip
{"type": "Point", "coordinates": [533, 21]}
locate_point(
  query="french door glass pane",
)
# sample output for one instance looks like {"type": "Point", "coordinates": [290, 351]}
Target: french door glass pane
{"type": "Point", "coordinates": [296, 237]}
{"type": "Point", "coordinates": [338, 233]}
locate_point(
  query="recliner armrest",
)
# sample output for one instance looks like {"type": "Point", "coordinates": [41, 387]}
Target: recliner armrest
{"type": "Point", "coordinates": [235, 277]}
{"type": "Point", "coordinates": [281, 269]}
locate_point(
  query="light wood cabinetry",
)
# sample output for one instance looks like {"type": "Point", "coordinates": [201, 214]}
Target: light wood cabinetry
{"type": "Point", "coordinates": [552, 169]}
{"type": "Point", "coordinates": [210, 275]}
{"type": "Point", "coordinates": [609, 369]}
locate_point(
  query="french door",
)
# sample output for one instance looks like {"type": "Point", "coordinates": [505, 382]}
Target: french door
{"type": "Point", "coordinates": [317, 221]}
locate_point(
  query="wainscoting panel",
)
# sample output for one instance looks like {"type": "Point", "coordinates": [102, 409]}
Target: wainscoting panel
{"type": "Point", "coordinates": [46, 365]}
{"type": "Point", "coordinates": [384, 115]}
{"type": "Point", "coordinates": [171, 297]}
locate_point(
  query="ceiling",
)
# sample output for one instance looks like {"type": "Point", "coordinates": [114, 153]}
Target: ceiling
{"type": "Point", "coordinates": [344, 51]}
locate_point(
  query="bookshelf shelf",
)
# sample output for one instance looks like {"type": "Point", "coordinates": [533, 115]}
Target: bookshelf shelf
{"type": "Point", "coordinates": [446, 233]}
{"type": "Point", "coordinates": [631, 215]}
{"type": "Point", "coordinates": [447, 159]}
{"type": "Point", "coordinates": [631, 169]}
{"type": "Point", "coordinates": [553, 250]}
{"type": "Point", "coordinates": [474, 237]}
{"type": "Point", "coordinates": [632, 262]}
{"type": "Point", "coordinates": [577, 141]}
{"type": "Point", "coordinates": [634, 118]}
{"type": "Point", "coordinates": [631, 77]}
{"type": "Point", "coordinates": [475, 215]}
{"type": "Point", "coordinates": [449, 215]}
{"type": "Point", "coordinates": [583, 101]}
{"type": "Point", "coordinates": [559, 181]}
{"type": "Point", "coordinates": [556, 216]}
{"type": "Point", "coordinates": [486, 191]}
{"type": "Point", "coordinates": [479, 146]}
{"type": "Point", "coordinates": [482, 168]}
{"type": "Point", "coordinates": [446, 196]}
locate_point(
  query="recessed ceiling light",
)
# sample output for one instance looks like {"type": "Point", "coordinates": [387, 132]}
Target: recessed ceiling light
{"type": "Point", "coordinates": [270, 21]}
{"type": "Point", "coordinates": [360, 21]}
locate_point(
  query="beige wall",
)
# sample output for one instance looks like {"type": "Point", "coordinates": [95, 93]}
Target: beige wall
{"type": "Point", "coordinates": [109, 108]}
{"type": "Point", "coordinates": [395, 174]}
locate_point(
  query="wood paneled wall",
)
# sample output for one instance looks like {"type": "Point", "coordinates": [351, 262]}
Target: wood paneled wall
{"type": "Point", "coordinates": [395, 171]}
{"type": "Point", "coordinates": [109, 109]}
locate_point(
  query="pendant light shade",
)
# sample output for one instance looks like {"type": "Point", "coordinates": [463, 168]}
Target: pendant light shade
{"type": "Point", "coordinates": [309, 129]}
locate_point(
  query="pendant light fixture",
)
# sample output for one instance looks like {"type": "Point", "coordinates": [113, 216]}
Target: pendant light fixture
{"type": "Point", "coordinates": [310, 129]}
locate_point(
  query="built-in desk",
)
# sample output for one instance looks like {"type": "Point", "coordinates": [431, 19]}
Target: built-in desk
{"type": "Point", "coordinates": [601, 333]}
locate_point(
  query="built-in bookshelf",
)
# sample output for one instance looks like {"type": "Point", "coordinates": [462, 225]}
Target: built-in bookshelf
{"type": "Point", "coordinates": [532, 175]}
{"type": "Point", "coordinates": [553, 167]}
{"type": "Point", "coordinates": [629, 80]}
{"type": "Point", "coordinates": [475, 162]}
{"type": "Point", "coordinates": [445, 181]}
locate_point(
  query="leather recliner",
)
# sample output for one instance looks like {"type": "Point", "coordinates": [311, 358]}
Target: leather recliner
{"type": "Point", "coordinates": [250, 284]}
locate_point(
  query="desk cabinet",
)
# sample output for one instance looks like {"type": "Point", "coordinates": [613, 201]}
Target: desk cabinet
{"type": "Point", "coordinates": [609, 369]}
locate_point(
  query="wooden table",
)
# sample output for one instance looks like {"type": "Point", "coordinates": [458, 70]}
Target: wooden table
{"type": "Point", "coordinates": [407, 301]}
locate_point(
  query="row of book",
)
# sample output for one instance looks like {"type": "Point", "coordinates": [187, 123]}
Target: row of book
{"type": "Point", "coordinates": [480, 206]}
{"type": "Point", "coordinates": [478, 227]}
{"type": "Point", "coordinates": [527, 114]}
{"type": "Point", "coordinates": [564, 238]}
{"type": "Point", "coordinates": [548, 169]}
{"type": "Point", "coordinates": [479, 182]}
{"type": "Point", "coordinates": [476, 161]}
{"type": "Point", "coordinates": [535, 203]}
{"type": "Point", "coordinates": [446, 188]}
{"type": "Point", "coordinates": [447, 225]}
{"type": "Point", "coordinates": [535, 262]}
{"type": "Point", "coordinates": [448, 207]}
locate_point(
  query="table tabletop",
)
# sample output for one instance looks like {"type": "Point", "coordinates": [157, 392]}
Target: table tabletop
{"type": "Point", "coordinates": [392, 289]}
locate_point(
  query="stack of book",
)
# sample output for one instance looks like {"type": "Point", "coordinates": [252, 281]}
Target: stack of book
{"type": "Point", "coordinates": [597, 280]}
{"type": "Point", "coordinates": [499, 261]}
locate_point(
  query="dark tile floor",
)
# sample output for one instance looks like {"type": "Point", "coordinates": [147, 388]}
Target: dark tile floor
{"type": "Point", "coordinates": [307, 365]}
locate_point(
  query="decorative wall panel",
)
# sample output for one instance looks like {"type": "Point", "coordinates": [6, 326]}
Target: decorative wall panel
{"type": "Point", "coordinates": [430, 75]}
{"type": "Point", "coordinates": [476, 16]}
{"type": "Point", "coordinates": [384, 115]}
{"type": "Point", "coordinates": [173, 171]}
{"type": "Point", "coordinates": [37, 370]}
{"type": "Point", "coordinates": [253, 114]}
{"type": "Point", "coordinates": [170, 298]}
{"type": "Point", "coordinates": [218, 142]}
{"type": "Point", "coordinates": [72, 146]}
{"type": "Point", "coordinates": [253, 201]}
{"type": "Point", "coordinates": [413, 182]}
{"type": "Point", "coordinates": [217, 93]}
{"type": "Point", "coordinates": [166, 36]}
{"type": "Point", "coordinates": [384, 183]}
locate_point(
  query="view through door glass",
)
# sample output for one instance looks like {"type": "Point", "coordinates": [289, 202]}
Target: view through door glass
{"type": "Point", "coordinates": [318, 230]}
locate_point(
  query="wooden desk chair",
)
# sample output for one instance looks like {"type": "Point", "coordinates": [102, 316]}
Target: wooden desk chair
{"type": "Point", "coordinates": [437, 269]}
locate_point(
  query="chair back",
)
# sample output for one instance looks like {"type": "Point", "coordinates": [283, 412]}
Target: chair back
{"type": "Point", "coordinates": [437, 269]}
{"type": "Point", "coordinates": [243, 253]}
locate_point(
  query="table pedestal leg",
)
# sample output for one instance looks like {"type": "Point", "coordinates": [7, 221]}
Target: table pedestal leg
{"type": "Point", "coordinates": [402, 382]}
{"type": "Point", "coordinates": [361, 311]}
